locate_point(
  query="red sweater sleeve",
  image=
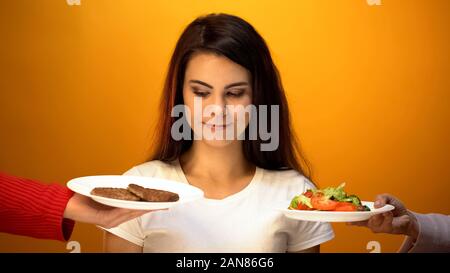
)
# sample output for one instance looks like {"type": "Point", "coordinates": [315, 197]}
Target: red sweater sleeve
{"type": "Point", "coordinates": [33, 209]}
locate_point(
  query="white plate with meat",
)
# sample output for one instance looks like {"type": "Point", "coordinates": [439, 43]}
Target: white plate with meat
{"type": "Point", "coordinates": [135, 192]}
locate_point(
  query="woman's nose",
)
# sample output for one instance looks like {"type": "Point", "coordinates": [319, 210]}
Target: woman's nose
{"type": "Point", "coordinates": [218, 107]}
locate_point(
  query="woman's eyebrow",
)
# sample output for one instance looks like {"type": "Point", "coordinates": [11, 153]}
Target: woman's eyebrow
{"type": "Point", "coordinates": [236, 84]}
{"type": "Point", "coordinates": [202, 83]}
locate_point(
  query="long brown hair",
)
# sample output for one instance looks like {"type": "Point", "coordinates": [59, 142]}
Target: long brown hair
{"type": "Point", "coordinates": [234, 38]}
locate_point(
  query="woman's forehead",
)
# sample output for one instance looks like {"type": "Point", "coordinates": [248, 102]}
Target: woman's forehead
{"type": "Point", "coordinates": [214, 69]}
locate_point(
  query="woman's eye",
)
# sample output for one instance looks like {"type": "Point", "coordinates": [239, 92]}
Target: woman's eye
{"type": "Point", "coordinates": [200, 93]}
{"type": "Point", "coordinates": [235, 93]}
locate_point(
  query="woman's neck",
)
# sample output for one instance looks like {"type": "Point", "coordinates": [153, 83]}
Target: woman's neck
{"type": "Point", "coordinates": [221, 165]}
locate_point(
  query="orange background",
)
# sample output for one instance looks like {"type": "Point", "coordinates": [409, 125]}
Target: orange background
{"type": "Point", "coordinates": [368, 87]}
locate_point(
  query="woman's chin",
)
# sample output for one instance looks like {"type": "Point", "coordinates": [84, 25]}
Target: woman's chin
{"type": "Point", "coordinates": [218, 138]}
{"type": "Point", "coordinates": [214, 143]}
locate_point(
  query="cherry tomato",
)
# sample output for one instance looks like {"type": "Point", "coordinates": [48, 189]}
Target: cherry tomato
{"type": "Point", "coordinates": [320, 202]}
{"type": "Point", "coordinates": [303, 207]}
{"type": "Point", "coordinates": [345, 206]}
{"type": "Point", "coordinates": [308, 193]}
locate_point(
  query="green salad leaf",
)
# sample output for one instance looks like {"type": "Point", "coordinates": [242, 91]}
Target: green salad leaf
{"type": "Point", "coordinates": [353, 199]}
{"type": "Point", "coordinates": [300, 199]}
{"type": "Point", "coordinates": [337, 193]}
{"type": "Point", "coordinates": [305, 201]}
{"type": "Point", "coordinates": [294, 202]}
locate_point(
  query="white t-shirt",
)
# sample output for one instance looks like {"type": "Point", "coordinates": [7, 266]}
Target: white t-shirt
{"type": "Point", "coordinates": [243, 222]}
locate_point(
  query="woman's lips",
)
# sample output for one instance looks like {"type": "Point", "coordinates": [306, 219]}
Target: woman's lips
{"type": "Point", "coordinates": [218, 126]}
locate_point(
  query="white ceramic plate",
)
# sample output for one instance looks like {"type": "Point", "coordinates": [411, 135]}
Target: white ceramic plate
{"type": "Point", "coordinates": [84, 185]}
{"type": "Point", "coordinates": [332, 216]}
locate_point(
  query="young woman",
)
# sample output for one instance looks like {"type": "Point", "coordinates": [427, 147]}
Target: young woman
{"type": "Point", "coordinates": [221, 61]}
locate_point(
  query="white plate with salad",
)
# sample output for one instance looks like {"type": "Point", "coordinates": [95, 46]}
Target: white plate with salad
{"type": "Point", "coordinates": [330, 204]}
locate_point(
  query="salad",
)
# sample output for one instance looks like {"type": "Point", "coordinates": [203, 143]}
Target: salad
{"type": "Point", "coordinates": [328, 199]}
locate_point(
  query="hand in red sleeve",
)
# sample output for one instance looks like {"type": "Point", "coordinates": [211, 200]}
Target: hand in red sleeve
{"type": "Point", "coordinates": [83, 209]}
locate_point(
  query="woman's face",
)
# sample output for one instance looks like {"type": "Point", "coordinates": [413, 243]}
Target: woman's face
{"type": "Point", "coordinates": [216, 91]}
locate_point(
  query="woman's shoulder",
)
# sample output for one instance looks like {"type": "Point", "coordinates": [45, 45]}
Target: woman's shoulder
{"type": "Point", "coordinates": [151, 168]}
{"type": "Point", "coordinates": [288, 178]}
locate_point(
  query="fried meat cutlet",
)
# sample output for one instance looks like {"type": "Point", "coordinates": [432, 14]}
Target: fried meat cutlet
{"type": "Point", "coordinates": [116, 193]}
{"type": "Point", "coordinates": [152, 195]}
